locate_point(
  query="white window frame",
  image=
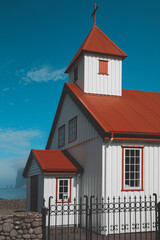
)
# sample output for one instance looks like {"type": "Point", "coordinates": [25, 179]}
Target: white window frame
{"type": "Point", "coordinates": [58, 188]}
{"type": "Point", "coordinates": [134, 188]}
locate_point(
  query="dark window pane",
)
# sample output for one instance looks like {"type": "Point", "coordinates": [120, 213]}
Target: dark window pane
{"type": "Point", "coordinates": [132, 175]}
{"type": "Point", "coordinates": [137, 160]}
{"type": "Point", "coordinates": [60, 196]}
{"type": "Point", "coordinates": [66, 182]}
{"type": "Point", "coordinates": [137, 183]}
{"type": "Point", "coordinates": [65, 189]}
{"type": "Point", "coordinates": [132, 153]}
{"type": "Point", "coordinates": [61, 189]}
{"type": "Point", "coordinates": [127, 152]}
{"type": "Point", "coordinates": [137, 175]}
{"type": "Point", "coordinates": [132, 160]}
{"type": "Point", "coordinates": [132, 183]}
{"type": "Point", "coordinates": [127, 182]}
{"type": "Point", "coordinates": [127, 168]}
{"type": "Point", "coordinates": [127, 160]}
{"type": "Point", "coordinates": [137, 167]}
{"type": "Point", "coordinates": [137, 152]}
{"type": "Point", "coordinates": [127, 175]}
{"type": "Point", "coordinates": [132, 167]}
{"type": "Point", "coordinates": [61, 182]}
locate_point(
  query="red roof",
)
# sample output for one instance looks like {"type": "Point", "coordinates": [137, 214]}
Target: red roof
{"type": "Point", "coordinates": [54, 161]}
{"type": "Point", "coordinates": [98, 42]}
{"type": "Point", "coordinates": [134, 115]}
{"type": "Point", "coordinates": [135, 111]}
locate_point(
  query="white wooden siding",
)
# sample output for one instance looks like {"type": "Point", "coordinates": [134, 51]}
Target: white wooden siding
{"type": "Point", "coordinates": [34, 169]}
{"type": "Point", "coordinates": [50, 190]}
{"type": "Point", "coordinates": [112, 177]}
{"type": "Point", "coordinates": [102, 84]}
{"type": "Point", "coordinates": [80, 81]}
{"type": "Point", "coordinates": [85, 130]}
{"type": "Point", "coordinates": [89, 155]}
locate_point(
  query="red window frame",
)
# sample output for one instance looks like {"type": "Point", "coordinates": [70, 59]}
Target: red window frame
{"type": "Point", "coordinates": [123, 167]}
{"type": "Point", "coordinates": [103, 67]}
{"type": "Point", "coordinates": [70, 189]}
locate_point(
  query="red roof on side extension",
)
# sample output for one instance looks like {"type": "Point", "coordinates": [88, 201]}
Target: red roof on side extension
{"type": "Point", "coordinates": [98, 42]}
{"type": "Point", "coordinates": [135, 111]}
{"type": "Point", "coordinates": [54, 161]}
{"type": "Point", "coordinates": [135, 115]}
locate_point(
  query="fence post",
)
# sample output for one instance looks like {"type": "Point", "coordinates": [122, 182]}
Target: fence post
{"type": "Point", "coordinates": [86, 197]}
{"type": "Point", "coordinates": [158, 220]}
{"type": "Point", "coordinates": [44, 213]}
{"type": "Point", "coordinates": [49, 216]}
{"type": "Point", "coordinates": [156, 214]}
{"type": "Point", "coordinates": [90, 217]}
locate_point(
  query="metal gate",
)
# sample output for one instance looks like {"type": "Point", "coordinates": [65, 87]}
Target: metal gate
{"type": "Point", "coordinates": [109, 219]}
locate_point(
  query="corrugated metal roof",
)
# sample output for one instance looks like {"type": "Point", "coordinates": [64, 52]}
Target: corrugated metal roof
{"type": "Point", "coordinates": [134, 112]}
{"type": "Point", "coordinates": [98, 42]}
{"type": "Point", "coordinates": [54, 161]}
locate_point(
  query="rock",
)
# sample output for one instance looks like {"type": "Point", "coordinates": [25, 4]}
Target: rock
{"type": "Point", "coordinates": [13, 233]}
{"type": "Point", "coordinates": [7, 227]}
{"type": "Point", "coordinates": [30, 231]}
{"type": "Point", "coordinates": [25, 231]}
{"type": "Point", "coordinates": [26, 236]}
{"type": "Point", "coordinates": [8, 220]}
{"type": "Point", "coordinates": [36, 224]}
{"type": "Point", "coordinates": [37, 230]}
{"type": "Point", "coordinates": [2, 237]}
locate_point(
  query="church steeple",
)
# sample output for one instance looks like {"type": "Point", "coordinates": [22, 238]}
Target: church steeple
{"type": "Point", "coordinates": [97, 66]}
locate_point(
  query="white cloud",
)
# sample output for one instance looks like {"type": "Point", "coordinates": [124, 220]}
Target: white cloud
{"type": "Point", "coordinates": [17, 142]}
{"type": "Point", "coordinates": [5, 89]}
{"type": "Point", "coordinates": [44, 74]}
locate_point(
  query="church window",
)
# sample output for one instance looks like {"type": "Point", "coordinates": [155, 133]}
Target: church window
{"type": "Point", "coordinates": [63, 189]}
{"type": "Point", "coordinates": [103, 67]}
{"type": "Point", "coordinates": [61, 136]}
{"type": "Point", "coordinates": [76, 74]}
{"type": "Point", "coordinates": [72, 131]}
{"type": "Point", "coordinates": [132, 169]}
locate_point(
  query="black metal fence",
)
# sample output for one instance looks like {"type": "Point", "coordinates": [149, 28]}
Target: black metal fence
{"type": "Point", "coordinates": [106, 219]}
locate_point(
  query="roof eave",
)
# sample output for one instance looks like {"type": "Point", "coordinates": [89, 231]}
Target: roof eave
{"type": "Point", "coordinates": [123, 56]}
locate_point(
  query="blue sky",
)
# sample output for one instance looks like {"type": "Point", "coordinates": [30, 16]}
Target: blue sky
{"type": "Point", "coordinates": [38, 41]}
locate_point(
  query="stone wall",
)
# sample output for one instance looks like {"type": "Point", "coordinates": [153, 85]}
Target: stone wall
{"type": "Point", "coordinates": [25, 225]}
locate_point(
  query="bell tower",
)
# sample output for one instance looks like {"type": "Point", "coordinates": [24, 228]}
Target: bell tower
{"type": "Point", "coordinates": [97, 66]}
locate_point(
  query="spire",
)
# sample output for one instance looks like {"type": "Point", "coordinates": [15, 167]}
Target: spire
{"type": "Point", "coordinates": [98, 42]}
{"type": "Point", "coordinates": [94, 13]}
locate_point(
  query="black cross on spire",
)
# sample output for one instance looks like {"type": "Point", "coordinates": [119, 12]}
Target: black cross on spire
{"type": "Point", "coordinates": [94, 12]}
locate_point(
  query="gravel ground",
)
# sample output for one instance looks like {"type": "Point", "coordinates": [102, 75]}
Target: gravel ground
{"type": "Point", "coordinates": [10, 205]}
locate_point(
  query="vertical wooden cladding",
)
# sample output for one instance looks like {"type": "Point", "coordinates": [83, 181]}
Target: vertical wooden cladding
{"type": "Point", "coordinates": [114, 170]}
{"type": "Point", "coordinates": [82, 123]}
{"type": "Point", "coordinates": [89, 155]}
{"type": "Point", "coordinates": [94, 82]}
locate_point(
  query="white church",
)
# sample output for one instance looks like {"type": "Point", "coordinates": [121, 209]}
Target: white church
{"type": "Point", "coordinates": [105, 140]}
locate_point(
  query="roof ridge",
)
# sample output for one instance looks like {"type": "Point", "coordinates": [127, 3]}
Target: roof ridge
{"type": "Point", "coordinates": [115, 45]}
